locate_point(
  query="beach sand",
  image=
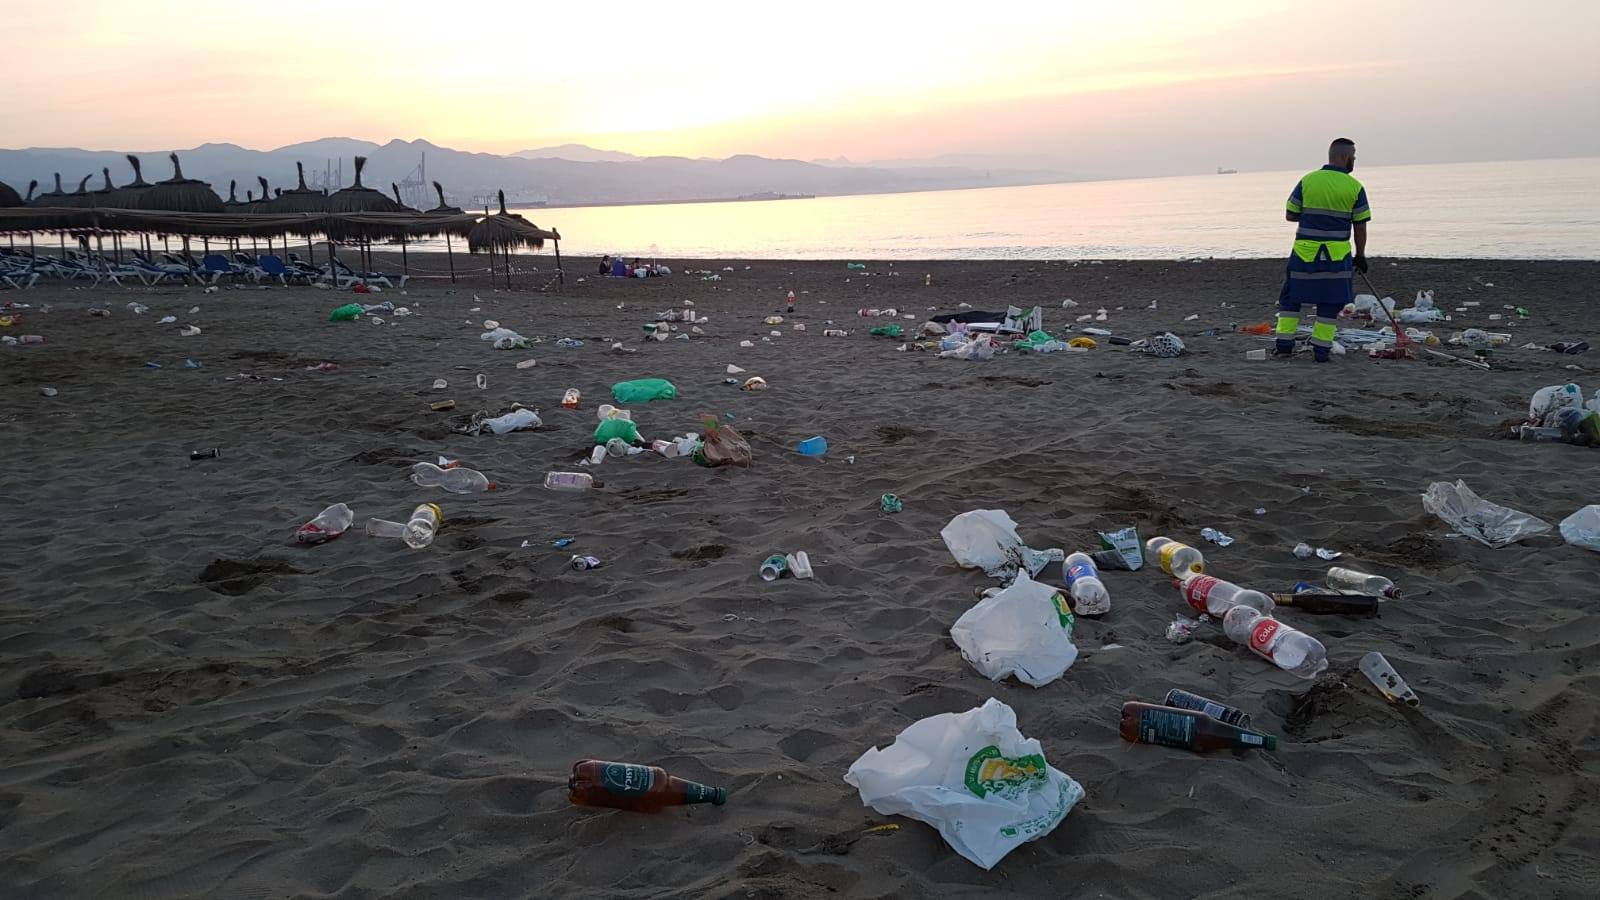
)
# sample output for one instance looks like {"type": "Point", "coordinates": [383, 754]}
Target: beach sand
{"type": "Point", "coordinates": [193, 705]}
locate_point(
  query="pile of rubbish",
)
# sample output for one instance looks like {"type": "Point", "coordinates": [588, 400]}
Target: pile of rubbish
{"type": "Point", "coordinates": [1559, 413]}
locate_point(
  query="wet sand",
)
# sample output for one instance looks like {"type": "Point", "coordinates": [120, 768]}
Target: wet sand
{"type": "Point", "coordinates": [193, 705]}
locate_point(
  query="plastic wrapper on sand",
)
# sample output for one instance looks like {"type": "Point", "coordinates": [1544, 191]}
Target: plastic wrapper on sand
{"type": "Point", "coordinates": [971, 775]}
{"type": "Point", "coordinates": [1024, 630]}
{"type": "Point", "coordinates": [1477, 518]}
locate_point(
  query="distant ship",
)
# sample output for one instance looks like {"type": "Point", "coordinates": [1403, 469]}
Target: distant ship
{"type": "Point", "coordinates": [1222, 171]}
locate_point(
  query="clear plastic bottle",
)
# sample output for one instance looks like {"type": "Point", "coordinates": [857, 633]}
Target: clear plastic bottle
{"type": "Point", "coordinates": [569, 400]}
{"type": "Point", "coordinates": [1214, 597]}
{"type": "Point", "coordinates": [422, 526]}
{"type": "Point", "coordinates": [569, 481]}
{"type": "Point", "coordinates": [1178, 560]}
{"type": "Point", "coordinates": [458, 480]}
{"type": "Point", "coordinates": [1089, 594]}
{"type": "Point", "coordinates": [329, 524]}
{"type": "Point", "coordinates": [1288, 648]}
{"type": "Point", "coordinates": [1342, 579]}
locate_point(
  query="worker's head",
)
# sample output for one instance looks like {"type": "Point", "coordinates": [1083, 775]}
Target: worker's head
{"type": "Point", "coordinates": [1342, 153]}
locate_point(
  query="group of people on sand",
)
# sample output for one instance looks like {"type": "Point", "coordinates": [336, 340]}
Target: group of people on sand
{"type": "Point", "coordinates": [618, 267]}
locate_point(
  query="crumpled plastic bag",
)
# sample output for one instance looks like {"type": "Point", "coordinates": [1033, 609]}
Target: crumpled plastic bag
{"type": "Point", "coordinates": [979, 348]}
{"type": "Point", "coordinates": [987, 539]}
{"type": "Point", "coordinates": [722, 446]}
{"type": "Point", "coordinates": [1024, 630]}
{"type": "Point", "coordinates": [1548, 402]}
{"type": "Point", "coordinates": [643, 391]}
{"type": "Point", "coordinates": [1477, 518]}
{"type": "Point", "coordinates": [504, 339]}
{"type": "Point", "coordinates": [1417, 316]}
{"type": "Point", "coordinates": [346, 313]}
{"type": "Point", "coordinates": [1582, 528]}
{"type": "Point", "coordinates": [971, 775]}
{"type": "Point", "coordinates": [611, 429]}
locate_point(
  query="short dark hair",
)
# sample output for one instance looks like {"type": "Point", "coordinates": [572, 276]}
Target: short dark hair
{"type": "Point", "coordinates": [1341, 144]}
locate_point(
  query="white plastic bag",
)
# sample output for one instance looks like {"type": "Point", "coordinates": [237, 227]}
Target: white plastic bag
{"type": "Point", "coordinates": [1582, 528]}
{"type": "Point", "coordinates": [516, 420]}
{"type": "Point", "coordinates": [971, 775]}
{"type": "Point", "coordinates": [1477, 518]}
{"type": "Point", "coordinates": [501, 334]}
{"type": "Point", "coordinates": [1025, 630]}
{"type": "Point", "coordinates": [987, 539]}
{"type": "Point", "coordinates": [1549, 400]}
{"type": "Point", "coordinates": [979, 348]}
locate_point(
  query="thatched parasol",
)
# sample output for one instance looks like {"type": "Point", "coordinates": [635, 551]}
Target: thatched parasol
{"type": "Point", "coordinates": [263, 203]}
{"type": "Point", "coordinates": [503, 232]}
{"type": "Point", "coordinates": [301, 199]}
{"type": "Point", "coordinates": [9, 195]}
{"type": "Point", "coordinates": [233, 204]}
{"type": "Point", "coordinates": [131, 195]}
{"type": "Point", "coordinates": [51, 198]}
{"type": "Point", "coordinates": [81, 197]}
{"type": "Point", "coordinates": [358, 198]}
{"type": "Point", "coordinates": [103, 197]}
{"type": "Point", "coordinates": [180, 194]}
{"type": "Point", "coordinates": [441, 209]}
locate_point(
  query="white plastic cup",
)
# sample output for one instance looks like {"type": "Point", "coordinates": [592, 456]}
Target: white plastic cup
{"type": "Point", "coordinates": [1255, 354]}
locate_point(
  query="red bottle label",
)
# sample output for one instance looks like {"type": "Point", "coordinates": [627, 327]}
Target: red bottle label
{"type": "Point", "coordinates": [1262, 633]}
{"type": "Point", "coordinates": [1197, 589]}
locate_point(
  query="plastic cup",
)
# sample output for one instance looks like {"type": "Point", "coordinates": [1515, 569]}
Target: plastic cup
{"type": "Point", "coordinates": [1255, 354]}
{"type": "Point", "coordinates": [813, 446]}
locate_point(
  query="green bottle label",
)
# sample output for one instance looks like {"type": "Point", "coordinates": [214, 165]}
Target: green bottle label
{"type": "Point", "coordinates": [990, 773]}
{"type": "Point", "coordinates": [1167, 728]}
{"type": "Point", "coordinates": [1063, 611]}
{"type": "Point", "coordinates": [626, 780]}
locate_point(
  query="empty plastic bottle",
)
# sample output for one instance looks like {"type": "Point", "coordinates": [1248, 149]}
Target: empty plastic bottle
{"type": "Point", "coordinates": [569, 400]}
{"type": "Point", "coordinates": [1214, 597]}
{"type": "Point", "coordinates": [458, 480]}
{"type": "Point", "coordinates": [1342, 579]}
{"type": "Point", "coordinates": [1288, 648]}
{"type": "Point", "coordinates": [1178, 560]}
{"type": "Point", "coordinates": [1089, 594]}
{"type": "Point", "coordinates": [329, 524]}
{"type": "Point", "coordinates": [568, 481]}
{"type": "Point", "coordinates": [417, 532]}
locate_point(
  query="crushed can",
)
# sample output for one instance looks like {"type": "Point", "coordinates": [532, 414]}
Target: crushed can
{"type": "Point", "coordinates": [584, 563]}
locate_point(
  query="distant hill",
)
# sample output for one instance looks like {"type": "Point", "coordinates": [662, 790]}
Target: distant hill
{"type": "Point", "coordinates": [576, 153]}
{"type": "Point", "coordinates": [470, 179]}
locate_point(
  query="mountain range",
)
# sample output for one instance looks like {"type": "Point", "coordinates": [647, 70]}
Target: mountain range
{"type": "Point", "coordinates": [570, 174]}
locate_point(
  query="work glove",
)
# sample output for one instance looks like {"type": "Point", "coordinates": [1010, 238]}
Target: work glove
{"type": "Point", "coordinates": [1361, 263]}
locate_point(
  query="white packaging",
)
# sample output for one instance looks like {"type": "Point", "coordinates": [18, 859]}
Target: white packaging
{"type": "Point", "coordinates": [1582, 528]}
{"type": "Point", "coordinates": [1024, 630]}
{"type": "Point", "coordinates": [516, 420]}
{"type": "Point", "coordinates": [1477, 518]}
{"type": "Point", "coordinates": [973, 776]}
{"type": "Point", "coordinates": [983, 539]}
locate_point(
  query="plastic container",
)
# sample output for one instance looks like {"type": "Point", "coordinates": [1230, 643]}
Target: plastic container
{"type": "Point", "coordinates": [569, 400]}
{"type": "Point", "coordinates": [329, 524]}
{"type": "Point", "coordinates": [569, 481]}
{"type": "Point", "coordinates": [1089, 594]}
{"type": "Point", "coordinates": [1342, 579]}
{"type": "Point", "coordinates": [1286, 647]}
{"type": "Point", "coordinates": [773, 567]}
{"type": "Point", "coordinates": [813, 446]}
{"type": "Point", "coordinates": [1178, 560]}
{"type": "Point", "coordinates": [1216, 597]}
{"type": "Point", "coordinates": [1387, 680]}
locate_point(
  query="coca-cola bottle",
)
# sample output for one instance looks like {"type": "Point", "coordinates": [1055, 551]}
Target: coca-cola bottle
{"type": "Point", "coordinates": [1213, 596]}
{"type": "Point", "coordinates": [639, 788]}
{"type": "Point", "coordinates": [1288, 648]}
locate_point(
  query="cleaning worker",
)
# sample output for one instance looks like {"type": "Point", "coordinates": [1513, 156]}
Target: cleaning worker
{"type": "Point", "coordinates": [1328, 205]}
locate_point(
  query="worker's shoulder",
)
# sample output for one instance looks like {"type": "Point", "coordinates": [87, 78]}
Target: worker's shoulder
{"type": "Point", "coordinates": [1332, 175]}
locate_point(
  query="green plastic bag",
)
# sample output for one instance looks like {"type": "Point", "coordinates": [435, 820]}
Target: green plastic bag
{"type": "Point", "coordinates": [1034, 339]}
{"type": "Point", "coordinates": [892, 331]}
{"type": "Point", "coordinates": [616, 428]}
{"type": "Point", "coordinates": [643, 391]}
{"type": "Point", "coordinates": [346, 313]}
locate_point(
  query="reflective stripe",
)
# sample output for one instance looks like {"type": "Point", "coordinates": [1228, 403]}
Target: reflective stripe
{"type": "Point", "coordinates": [1288, 326]}
{"type": "Point", "coordinates": [1322, 333]}
{"type": "Point", "coordinates": [1313, 234]}
{"type": "Point", "coordinates": [1358, 211]}
{"type": "Point", "coordinates": [1337, 214]}
{"type": "Point", "coordinates": [1320, 276]}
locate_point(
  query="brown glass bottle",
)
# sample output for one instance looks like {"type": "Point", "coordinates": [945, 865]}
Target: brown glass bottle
{"type": "Point", "coordinates": [639, 788]}
{"type": "Point", "coordinates": [1330, 604]}
{"type": "Point", "coordinates": [1147, 723]}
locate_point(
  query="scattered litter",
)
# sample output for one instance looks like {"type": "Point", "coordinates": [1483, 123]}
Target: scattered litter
{"type": "Point", "coordinates": [1216, 537]}
{"type": "Point", "coordinates": [985, 805]}
{"type": "Point", "coordinates": [440, 384]}
{"type": "Point", "coordinates": [987, 539]}
{"type": "Point", "coordinates": [1485, 522]}
{"type": "Point", "coordinates": [48, 391]}
{"type": "Point", "coordinates": [1582, 528]}
{"type": "Point", "coordinates": [569, 343]}
{"type": "Point", "coordinates": [1024, 630]}
{"type": "Point", "coordinates": [1182, 628]}
{"type": "Point", "coordinates": [890, 503]}
{"type": "Point", "coordinates": [527, 363]}
{"type": "Point", "coordinates": [189, 330]}
{"type": "Point", "coordinates": [328, 524]}
{"type": "Point", "coordinates": [813, 446]}
{"type": "Point", "coordinates": [192, 364]}
{"type": "Point", "coordinates": [166, 320]}
{"type": "Point", "coordinates": [1387, 680]}
{"type": "Point", "coordinates": [482, 381]}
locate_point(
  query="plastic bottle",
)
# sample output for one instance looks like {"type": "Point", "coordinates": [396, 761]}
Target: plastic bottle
{"type": "Point", "coordinates": [1178, 560]}
{"type": "Point", "coordinates": [638, 788]}
{"type": "Point", "coordinates": [1222, 712]}
{"type": "Point", "coordinates": [789, 301]}
{"type": "Point", "coordinates": [1342, 579]}
{"type": "Point", "coordinates": [569, 400]}
{"type": "Point", "coordinates": [1089, 594]}
{"type": "Point", "coordinates": [584, 563]}
{"type": "Point", "coordinates": [329, 524]}
{"type": "Point", "coordinates": [1288, 648]}
{"type": "Point", "coordinates": [459, 480]}
{"type": "Point", "coordinates": [417, 532]}
{"type": "Point", "coordinates": [1215, 597]}
{"type": "Point", "coordinates": [1147, 723]}
{"type": "Point", "coordinates": [569, 481]}
{"type": "Point", "coordinates": [773, 567]}
{"type": "Point", "coordinates": [1387, 680]}
{"type": "Point", "coordinates": [1330, 604]}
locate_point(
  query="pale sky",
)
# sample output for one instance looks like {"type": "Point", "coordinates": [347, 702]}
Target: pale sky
{"type": "Point", "coordinates": [1105, 87]}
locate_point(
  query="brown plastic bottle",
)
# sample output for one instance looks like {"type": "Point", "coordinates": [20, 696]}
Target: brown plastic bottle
{"type": "Point", "coordinates": [1330, 604]}
{"type": "Point", "coordinates": [1147, 723]}
{"type": "Point", "coordinates": [639, 788]}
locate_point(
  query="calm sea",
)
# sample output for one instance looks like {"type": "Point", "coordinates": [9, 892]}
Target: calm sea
{"type": "Point", "coordinates": [1532, 209]}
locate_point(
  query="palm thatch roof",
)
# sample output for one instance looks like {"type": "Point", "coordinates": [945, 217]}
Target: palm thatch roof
{"type": "Point", "coordinates": [504, 231]}
{"type": "Point", "coordinates": [103, 197]}
{"type": "Point", "coordinates": [442, 209]}
{"type": "Point", "coordinates": [233, 203]}
{"type": "Point", "coordinates": [9, 195]}
{"type": "Point", "coordinates": [80, 197]}
{"type": "Point", "coordinates": [359, 198]}
{"type": "Point", "coordinates": [51, 198]}
{"type": "Point", "coordinates": [264, 203]}
{"type": "Point", "coordinates": [180, 194]}
{"type": "Point", "coordinates": [131, 195]}
{"type": "Point", "coordinates": [300, 199]}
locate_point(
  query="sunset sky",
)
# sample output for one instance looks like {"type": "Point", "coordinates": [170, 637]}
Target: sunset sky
{"type": "Point", "coordinates": [1102, 87]}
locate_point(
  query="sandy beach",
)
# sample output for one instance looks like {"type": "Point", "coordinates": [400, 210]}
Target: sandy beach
{"type": "Point", "coordinates": [194, 705]}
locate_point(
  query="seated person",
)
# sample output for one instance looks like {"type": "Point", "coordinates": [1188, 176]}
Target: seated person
{"type": "Point", "coordinates": [605, 265]}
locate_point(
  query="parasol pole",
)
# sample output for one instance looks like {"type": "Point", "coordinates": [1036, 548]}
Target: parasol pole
{"type": "Point", "coordinates": [450, 254]}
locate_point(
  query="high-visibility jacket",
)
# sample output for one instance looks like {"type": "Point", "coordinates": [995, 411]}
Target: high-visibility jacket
{"type": "Point", "coordinates": [1325, 203]}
